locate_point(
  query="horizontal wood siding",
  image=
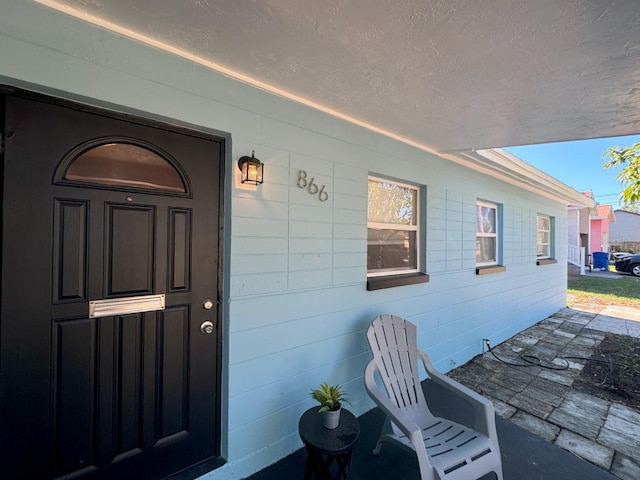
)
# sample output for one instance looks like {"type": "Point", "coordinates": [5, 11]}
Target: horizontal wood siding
{"type": "Point", "coordinates": [296, 307]}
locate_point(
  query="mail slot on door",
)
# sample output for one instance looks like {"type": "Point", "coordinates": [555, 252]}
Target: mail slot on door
{"type": "Point", "coordinates": [121, 306]}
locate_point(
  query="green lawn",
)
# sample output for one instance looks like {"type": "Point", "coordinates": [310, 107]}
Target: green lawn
{"type": "Point", "coordinates": [585, 290]}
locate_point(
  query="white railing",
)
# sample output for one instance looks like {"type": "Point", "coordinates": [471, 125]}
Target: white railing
{"type": "Point", "coordinates": [577, 257]}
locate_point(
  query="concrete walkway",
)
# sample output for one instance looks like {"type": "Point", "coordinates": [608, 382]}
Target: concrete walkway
{"type": "Point", "coordinates": [574, 272]}
{"type": "Point", "coordinates": [543, 402]}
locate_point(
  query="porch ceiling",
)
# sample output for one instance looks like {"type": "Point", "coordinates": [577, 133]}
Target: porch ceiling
{"type": "Point", "coordinates": [445, 75]}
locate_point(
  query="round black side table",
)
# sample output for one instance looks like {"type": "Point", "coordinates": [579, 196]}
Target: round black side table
{"type": "Point", "coordinates": [328, 451]}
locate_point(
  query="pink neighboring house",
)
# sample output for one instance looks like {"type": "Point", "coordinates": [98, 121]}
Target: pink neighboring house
{"type": "Point", "coordinates": [599, 228]}
{"type": "Point", "coordinates": [588, 229]}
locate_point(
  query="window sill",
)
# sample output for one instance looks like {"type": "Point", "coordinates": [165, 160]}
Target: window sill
{"type": "Point", "coordinates": [546, 261]}
{"type": "Point", "coordinates": [378, 283]}
{"type": "Point", "coordinates": [490, 269]}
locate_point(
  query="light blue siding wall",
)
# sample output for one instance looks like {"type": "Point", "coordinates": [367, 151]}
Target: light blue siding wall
{"type": "Point", "coordinates": [296, 307]}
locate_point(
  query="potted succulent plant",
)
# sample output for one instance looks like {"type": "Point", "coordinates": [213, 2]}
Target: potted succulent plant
{"type": "Point", "coordinates": [330, 399]}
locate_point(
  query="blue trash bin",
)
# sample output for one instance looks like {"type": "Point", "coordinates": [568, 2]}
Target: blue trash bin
{"type": "Point", "coordinates": [600, 261]}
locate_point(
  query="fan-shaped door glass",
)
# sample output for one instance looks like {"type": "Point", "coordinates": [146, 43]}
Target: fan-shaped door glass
{"type": "Point", "coordinates": [125, 165]}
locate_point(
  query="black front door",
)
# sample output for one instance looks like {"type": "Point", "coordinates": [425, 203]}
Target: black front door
{"type": "Point", "coordinates": [110, 273]}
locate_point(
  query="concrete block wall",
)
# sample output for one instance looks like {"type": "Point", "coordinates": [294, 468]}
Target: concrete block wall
{"type": "Point", "coordinates": [295, 304]}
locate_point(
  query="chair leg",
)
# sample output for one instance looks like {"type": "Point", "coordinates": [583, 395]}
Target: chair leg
{"type": "Point", "coordinates": [376, 450]}
{"type": "Point", "coordinates": [386, 430]}
{"type": "Point", "coordinates": [378, 446]}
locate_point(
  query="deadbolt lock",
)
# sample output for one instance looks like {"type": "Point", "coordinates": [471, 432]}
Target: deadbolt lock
{"type": "Point", "coordinates": [207, 304]}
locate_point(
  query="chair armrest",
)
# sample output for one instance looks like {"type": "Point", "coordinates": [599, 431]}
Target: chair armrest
{"type": "Point", "coordinates": [395, 414]}
{"type": "Point", "coordinates": [484, 412]}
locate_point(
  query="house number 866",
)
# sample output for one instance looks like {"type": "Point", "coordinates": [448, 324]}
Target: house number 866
{"type": "Point", "coordinates": [312, 187]}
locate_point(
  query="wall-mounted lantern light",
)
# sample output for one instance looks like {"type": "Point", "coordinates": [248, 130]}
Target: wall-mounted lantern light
{"type": "Point", "coordinates": [251, 169]}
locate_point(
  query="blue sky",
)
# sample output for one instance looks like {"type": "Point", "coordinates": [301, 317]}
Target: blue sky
{"type": "Point", "coordinates": [579, 164]}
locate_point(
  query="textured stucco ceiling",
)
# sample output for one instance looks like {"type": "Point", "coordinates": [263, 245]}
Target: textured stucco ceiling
{"type": "Point", "coordinates": [450, 75]}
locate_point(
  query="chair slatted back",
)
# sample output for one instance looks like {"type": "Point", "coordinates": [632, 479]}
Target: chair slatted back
{"type": "Point", "coordinates": [393, 343]}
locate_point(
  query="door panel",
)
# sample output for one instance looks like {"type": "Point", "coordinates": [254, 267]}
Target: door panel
{"type": "Point", "coordinates": [173, 363]}
{"type": "Point", "coordinates": [130, 233]}
{"type": "Point", "coordinates": [132, 395]}
{"type": "Point", "coordinates": [128, 337]}
{"type": "Point", "coordinates": [70, 241]}
{"type": "Point", "coordinates": [179, 250]}
{"type": "Point", "coordinates": [74, 346]}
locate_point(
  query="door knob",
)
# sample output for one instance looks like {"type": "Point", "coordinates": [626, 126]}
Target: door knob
{"type": "Point", "coordinates": [206, 327]}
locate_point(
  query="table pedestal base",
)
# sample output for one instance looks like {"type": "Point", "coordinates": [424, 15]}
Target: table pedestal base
{"type": "Point", "coordinates": [323, 466]}
{"type": "Point", "coordinates": [329, 451]}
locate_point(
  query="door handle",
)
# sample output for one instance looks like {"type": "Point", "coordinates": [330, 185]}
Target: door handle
{"type": "Point", "coordinates": [206, 327]}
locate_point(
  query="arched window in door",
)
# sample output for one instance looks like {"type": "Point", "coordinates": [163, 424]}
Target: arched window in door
{"type": "Point", "coordinates": [122, 164]}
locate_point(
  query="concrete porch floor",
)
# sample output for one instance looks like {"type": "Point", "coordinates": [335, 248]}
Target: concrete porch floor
{"type": "Point", "coordinates": [546, 429]}
{"type": "Point", "coordinates": [525, 456]}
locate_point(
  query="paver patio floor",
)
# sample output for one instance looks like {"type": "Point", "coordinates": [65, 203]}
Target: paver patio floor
{"type": "Point", "coordinates": [542, 401]}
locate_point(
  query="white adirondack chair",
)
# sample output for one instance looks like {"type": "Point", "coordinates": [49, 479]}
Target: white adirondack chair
{"type": "Point", "coordinates": [445, 449]}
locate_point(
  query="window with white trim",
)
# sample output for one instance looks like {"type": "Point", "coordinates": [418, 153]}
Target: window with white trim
{"type": "Point", "coordinates": [392, 228]}
{"type": "Point", "coordinates": [543, 235]}
{"type": "Point", "coordinates": [487, 234]}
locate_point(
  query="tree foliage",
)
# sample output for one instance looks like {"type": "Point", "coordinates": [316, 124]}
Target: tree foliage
{"type": "Point", "coordinates": [635, 208]}
{"type": "Point", "coordinates": [628, 160]}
